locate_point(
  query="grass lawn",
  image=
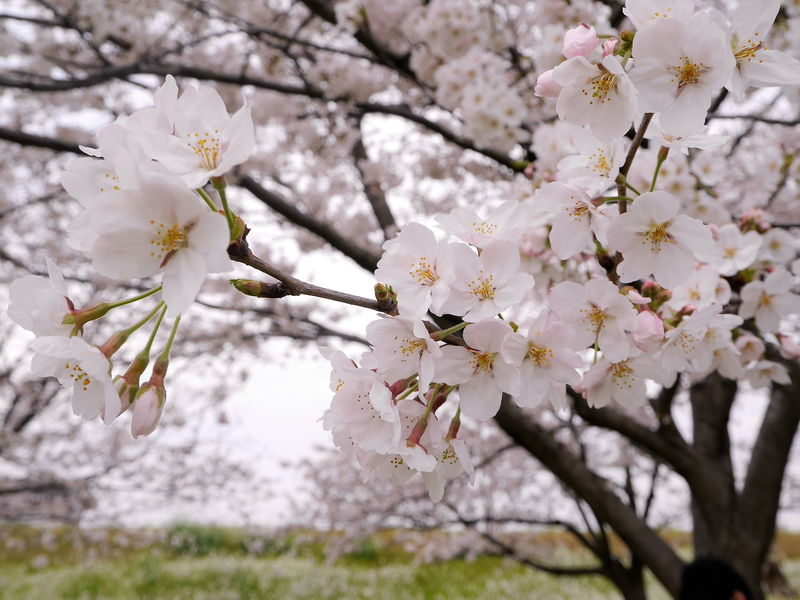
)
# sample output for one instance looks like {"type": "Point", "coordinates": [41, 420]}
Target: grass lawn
{"type": "Point", "coordinates": [230, 577]}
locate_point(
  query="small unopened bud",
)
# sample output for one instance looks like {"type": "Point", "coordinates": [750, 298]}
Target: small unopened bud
{"type": "Point", "coordinates": [580, 41]}
{"type": "Point", "coordinates": [114, 343]}
{"type": "Point", "coordinates": [386, 297]}
{"type": "Point", "coordinates": [546, 86]}
{"type": "Point", "coordinates": [147, 408]}
{"type": "Point", "coordinates": [609, 46]}
{"type": "Point", "coordinates": [239, 228]}
{"type": "Point", "coordinates": [126, 391]}
{"type": "Point", "coordinates": [417, 432]}
{"type": "Point", "coordinates": [79, 318]}
{"type": "Point", "coordinates": [260, 289]}
{"type": "Point", "coordinates": [455, 424]}
{"type": "Point", "coordinates": [398, 387]}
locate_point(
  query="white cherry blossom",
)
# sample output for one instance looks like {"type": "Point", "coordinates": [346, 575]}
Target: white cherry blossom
{"type": "Point", "coordinates": [757, 64]}
{"type": "Point", "coordinates": [162, 225]}
{"type": "Point", "coordinates": [642, 12]}
{"type": "Point", "coordinates": [622, 382]}
{"type": "Point", "coordinates": [488, 284]}
{"type": "Point", "coordinates": [654, 238]}
{"type": "Point", "coordinates": [81, 367]}
{"type": "Point", "coordinates": [599, 314]}
{"type": "Point", "coordinates": [769, 300]}
{"type": "Point", "coordinates": [575, 219]}
{"type": "Point", "coordinates": [546, 360]}
{"type": "Point", "coordinates": [480, 371]}
{"type": "Point", "coordinates": [416, 265]}
{"type": "Point", "coordinates": [401, 348]}
{"type": "Point", "coordinates": [596, 165]}
{"type": "Point", "coordinates": [505, 222]}
{"type": "Point", "coordinates": [678, 68]}
{"type": "Point", "coordinates": [765, 372]}
{"type": "Point", "coordinates": [39, 304]}
{"type": "Point", "coordinates": [600, 96]}
{"type": "Point", "coordinates": [734, 250]}
{"type": "Point", "coordinates": [203, 140]}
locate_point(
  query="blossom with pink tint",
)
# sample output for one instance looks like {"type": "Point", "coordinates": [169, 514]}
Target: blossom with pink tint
{"type": "Point", "coordinates": [654, 238]}
{"type": "Point", "coordinates": [546, 359]}
{"type": "Point", "coordinates": [506, 222]}
{"type": "Point", "coordinates": [649, 331]}
{"type": "Point", "coordinates": [415, 264]}
{"type": "Point", "coordinates": [40, 305]}
{"type": "Point", "coordinates": [622, 382]}
{"type": "Point", "coordinates": [480, 370]}
{"type": "Point", "coordinates": [750, 347]}
{"type": "Point", "coordinates": [401, 348]}
{"type": "Point", "coordinates": [580, 41]}
{"type": "Point", "coordinates": [769, 300]}
{"type": "Point", "coordinates": [599, 314]}
{"type": "Point", "coordinates": [147, 409]}
{"type": "Point", "coordinates": [546, 86]}
{"type": "Point", "coordinates": [486, 284]}
{"type": "Point", "coordinates": [575, 219]}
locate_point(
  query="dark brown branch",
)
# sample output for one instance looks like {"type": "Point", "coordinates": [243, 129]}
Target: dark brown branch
{"type": "Point", "coordinates": [38, 141]}
{"type": "Point", "coordinates": [374, 193]}
{"type": "Point", "coordinates": [643, 541]}
{"type": "Point", "coordinates": [366, 258]}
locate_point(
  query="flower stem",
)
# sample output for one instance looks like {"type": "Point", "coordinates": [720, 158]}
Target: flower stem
{"type": "Point", "coordinates": [165, 353]}
{"type": "Point", "coordinates": [438, 335]}
{"type": "Point", "coordinates": [624, 182]}
{"type": "Point", "coordinates": [146, 318]}
{"type": "Point", "coordinates": [155, 290]}
{"type": "Point", "coordinates": [207, 199]}
{"type": "Point", "coordinates": [154, 332]}
{"type": "Point", "coordinates": [219, 185]}
{"type": "Point", "coordinates": [662, 156]}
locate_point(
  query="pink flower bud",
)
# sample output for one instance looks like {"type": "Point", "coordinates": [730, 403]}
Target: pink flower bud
{"type": "Point", "coordinates": [546, 86]}
{"type": "Point", "coordinates": [609, 46]}
{"type": "Point", "coordinates": [649, 331]}
{"type": "Point", "coordinates": [580, 41]}
{"type": "Point", "coordinates": [147, 409]}
{"type": "Point", "coordinates": [790, 349]}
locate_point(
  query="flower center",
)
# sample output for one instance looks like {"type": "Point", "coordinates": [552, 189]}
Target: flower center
{"type": "Point", "coordinates": [423, 272]}
{"type": "Point", "coordinates": [595, 318]}
{"type": "Point", "coordinates": [482, 362]}
{"type": "Point", "coordinates": [599, 162]}
{"type": "Point", "coordinates": [658, 235]}
{"type": "Point", "coordinates": [578, 210]}
{"type": "Point", "coordinates": [766, 299]}
{"type": "Point", "coordinates": [410, 346]}
{"type": "Point", "coordinates": [622, 374]}
{"type": "Point", "coordinates": [78, 376]}
{"type": "Point", "coordinates": [540, 355]}
{"type": "Point", "coordinates": [484, 228]}
{"type": "Point", "coordinates": [600, 87]}
{"type": "Point", "coordinates": [167, 240]}
{"type": "Point", "coordinates": [207, 148]}
{"type": "Point", "coordinates": [482, 287]}
{"type": "Point", "coordinates": [686, 341]}
{"type": "Point", "coordinates": [687, 72]}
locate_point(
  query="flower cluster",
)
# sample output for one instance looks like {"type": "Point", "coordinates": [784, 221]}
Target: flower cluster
{"type": "Point", "coordinates": [618, 273]}
{"type": "Point", "coordinates": [145, 214]}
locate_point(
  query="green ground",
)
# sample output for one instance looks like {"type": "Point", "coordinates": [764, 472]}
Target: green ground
{"type": "Point", "coordinates": [189, 563]}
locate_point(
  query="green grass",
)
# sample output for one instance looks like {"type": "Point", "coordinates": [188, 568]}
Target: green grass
{"type": "Point", "coordinates": [189, 562]}
{"type": "Point", "coordinates": [243, 578]}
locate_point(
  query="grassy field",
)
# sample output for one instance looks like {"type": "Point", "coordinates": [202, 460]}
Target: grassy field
{"type": "Point", "coordinates": [209, 564]}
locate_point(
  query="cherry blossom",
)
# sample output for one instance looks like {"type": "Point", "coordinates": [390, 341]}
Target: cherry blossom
{"type": "Point", "coordinates": [162, 225]}
{"type": "Point", "coordinates": [769, 300]}
{"type": "Point", "coordinates": [580, 41]}
{"type": "Point", "coordinates": [416, 265]}
{"type": "Point", "coordinates": [202, 140]}
{"type": "Point", "coordinates": [401, 349]}
{"type": "Point", "coordinates": [757, 64]}
{"type": "Point", "coordinates": [622, 382]}
{"type": "Point", "coordinates": [642, 12]}
{"type": "Point", "coordinates": [654, 238]}
{"type": "Point", "coordinates": [40, 305]}
{"type": "Point", "coordinates": [83, 368]}
{"type": "Point", "coordinates": [599, 314]}
{"type": "Point", "coordinates": [734, 250]}
{"type": "Point", "coordinates": [485, 284]}
{"type": "Point", "coordinates": [600, 96]}
{"type": "Point", "coordinates": [678, 69]}
{"type": "Point", "coordinates": [506, 222]}
{"type": "Point", "coordinates": [596, 165]}
{"type": "Point", "coordinates": [481, 369]}
{"type": "Point", "coordinates": [546, 360]}
{"type": "Point", "coordinates": [575, 219]}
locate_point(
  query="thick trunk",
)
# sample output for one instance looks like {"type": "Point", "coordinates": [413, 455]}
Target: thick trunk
{"type": "Point", "coordinates": [713, 513]}
{"type": "Point", "coordinates": [644, 543]}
